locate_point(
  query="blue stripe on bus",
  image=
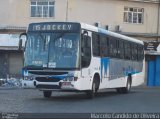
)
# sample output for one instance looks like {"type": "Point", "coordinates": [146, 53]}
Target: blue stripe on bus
{"type": "Point", "coordinates": [61, 77]}
{"type": "Point", "coordinates": [104, 67]}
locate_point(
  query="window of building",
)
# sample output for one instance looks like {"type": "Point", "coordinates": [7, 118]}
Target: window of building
{"type": "Point", "coordinates": [133, 15]}
{"type": "Point", "coordinates": [42, 9]}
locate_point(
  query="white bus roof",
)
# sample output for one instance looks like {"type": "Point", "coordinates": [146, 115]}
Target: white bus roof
{"type": "Point", "coordinates": [100, 30]}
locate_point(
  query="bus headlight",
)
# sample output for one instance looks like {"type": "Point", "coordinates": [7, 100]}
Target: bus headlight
{"type": "Point", "coordinates": [70, 79]}
{"type": "Point", "coordinates": [28, 78]}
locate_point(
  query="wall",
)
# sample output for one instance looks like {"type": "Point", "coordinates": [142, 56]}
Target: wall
{"type": "Point", "coordinates": [11, 63]}
{"type": "Point", "coordinates": [108, 12]}
{"type": "Point", "coordinates": [15, 64]}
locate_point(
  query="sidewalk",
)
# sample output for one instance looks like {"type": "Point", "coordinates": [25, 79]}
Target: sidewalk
{"type": "Point", "coordinates": [9, 88]}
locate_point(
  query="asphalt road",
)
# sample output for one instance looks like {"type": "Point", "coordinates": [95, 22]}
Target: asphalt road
{"type": "Point", "coordinates": [140, 100]}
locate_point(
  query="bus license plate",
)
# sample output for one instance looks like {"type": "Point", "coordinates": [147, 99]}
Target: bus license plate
{"type": "Point", "coordinates": [66, 83]}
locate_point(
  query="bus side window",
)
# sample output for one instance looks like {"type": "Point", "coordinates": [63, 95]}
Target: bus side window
{"type": "Point", "coordinates": [115, 51]}
{"type": "Point", "coordinates": [112, 47]}
{"type": "Point", "coordinates": [121, 49]}
{"type": "Point", "coordinates": [127, 47]}
{"type": "Point", "coordinates": [86, 50]}
{"type": "Point", "coordinates": [118, 50]}
{"type": "Point", "coordinates": [104, 46]}
{"type": "Point", "coordinates": [96, 44]}
{"type": "Point", "coordinates": [140, 53]}
{"type": "Point", "coordinates": [134, 51]}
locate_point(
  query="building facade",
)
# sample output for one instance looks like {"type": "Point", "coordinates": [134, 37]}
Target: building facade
{"type": "Point", "coordinates": [135, 18]}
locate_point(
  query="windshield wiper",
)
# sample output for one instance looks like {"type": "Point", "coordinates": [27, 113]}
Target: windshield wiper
{"type": "Point", "coordinates": [32, 66]}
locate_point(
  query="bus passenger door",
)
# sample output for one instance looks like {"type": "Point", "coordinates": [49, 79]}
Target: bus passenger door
{"type": "Point", "coordinates": [85, 58]}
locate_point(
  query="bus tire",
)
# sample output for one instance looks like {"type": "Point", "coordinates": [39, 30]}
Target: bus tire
{"type": "Point", "coordinates": [126, 89]}
{"type": "Point", "coordinates": [91, 93]}
{"type": "Point", "coordinates": [95, 86]}
{"type": "Point", "coordinates": [119, 90]}
{"type": "Point", "coordinates": [47, 94]}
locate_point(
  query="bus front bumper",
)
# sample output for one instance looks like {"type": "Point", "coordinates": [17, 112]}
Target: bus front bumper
{"type": "Point", "coordinates": [69, 86]}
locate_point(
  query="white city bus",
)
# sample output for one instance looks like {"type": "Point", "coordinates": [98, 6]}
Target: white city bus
{"type": "Point", "coordinates": [67, 56]}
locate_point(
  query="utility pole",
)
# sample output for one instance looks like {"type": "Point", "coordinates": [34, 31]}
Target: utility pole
{"type": "Point", "coordinates": [66, 10]}
{"type": "Point", "coordinates": [158, 20]}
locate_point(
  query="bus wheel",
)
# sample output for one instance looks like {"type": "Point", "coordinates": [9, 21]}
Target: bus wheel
{"type": "Point", "coordinates": [119, 90]}
{"type": "Point", "coordinates": [91, 93]}
{"type": "Point", "coordinates": [126, 89]}
{"type": "Point", "coordinates": [47, 94]}
{"type": "Point", "coordinates": [95, 87]}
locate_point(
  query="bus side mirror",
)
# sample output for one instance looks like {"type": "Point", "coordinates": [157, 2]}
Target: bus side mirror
{"type": "Point", "coordinates": [22, 38]}
{"type": "Point", "coordinates": [20, 45]}
{"type": "Point", "coordinates": [85, 33]}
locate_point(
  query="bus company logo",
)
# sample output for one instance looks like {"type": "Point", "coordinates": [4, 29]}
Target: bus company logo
{"type": "Point", "coordinates": [48, 27]}
{"type": "Point", "coordinates": [48, 77]}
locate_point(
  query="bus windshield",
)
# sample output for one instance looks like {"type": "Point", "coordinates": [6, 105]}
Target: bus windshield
{"type": "Point", "coordinates": [52, 50]}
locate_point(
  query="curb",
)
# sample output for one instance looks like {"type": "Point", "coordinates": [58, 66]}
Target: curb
{"type": "Point", "coordinates": [10, 88]}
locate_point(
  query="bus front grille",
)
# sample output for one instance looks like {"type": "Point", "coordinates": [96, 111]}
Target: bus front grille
{"type": "Point", "coordinates": [47, 79]}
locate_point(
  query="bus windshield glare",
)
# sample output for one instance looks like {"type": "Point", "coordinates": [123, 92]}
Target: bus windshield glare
{"type": "Point", "coordinates": [52, 50]}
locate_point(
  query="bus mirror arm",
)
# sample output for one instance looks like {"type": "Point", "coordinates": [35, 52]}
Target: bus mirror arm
{"type": "Point", "coordinates": [20, 45]}
{"type": "Point", "coordinates": [21, 40]}
{"type": "Point", "coordinates": [85, 32]}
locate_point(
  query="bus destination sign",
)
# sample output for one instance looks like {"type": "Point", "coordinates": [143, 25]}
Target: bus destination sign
{"type": "Point", "coordinates": [54, 26]}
